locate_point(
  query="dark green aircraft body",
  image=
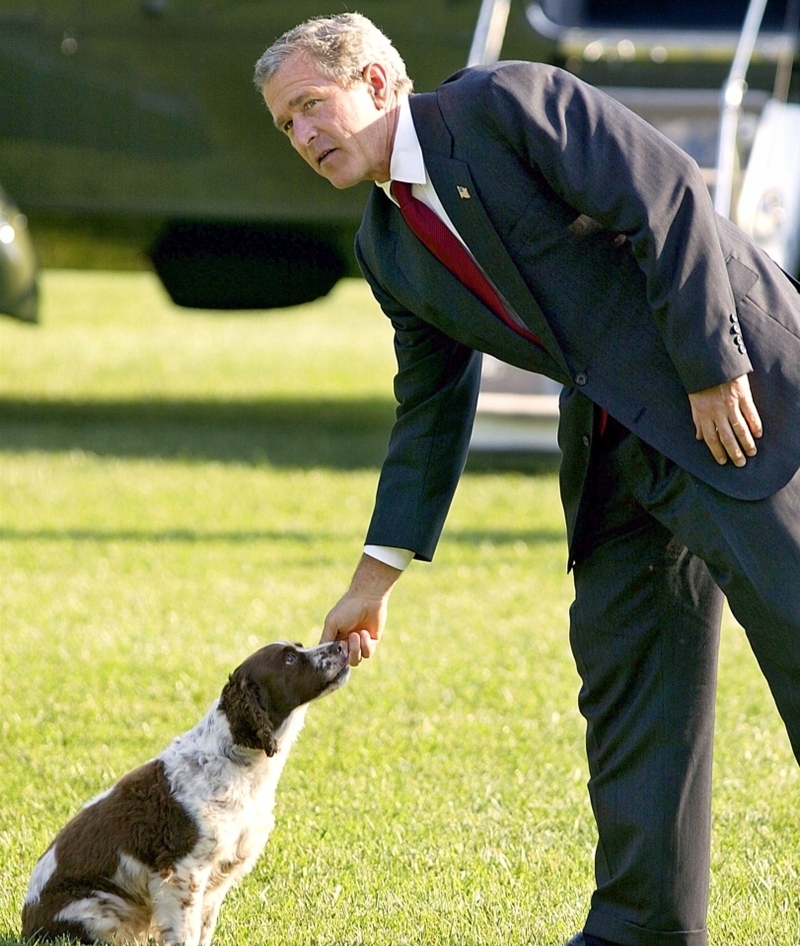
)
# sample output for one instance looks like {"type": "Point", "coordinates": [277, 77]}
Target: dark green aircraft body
{"type": "Point", "coordinates": [130, 132]}
{"type": "Point", "coordinates": [131, 128]}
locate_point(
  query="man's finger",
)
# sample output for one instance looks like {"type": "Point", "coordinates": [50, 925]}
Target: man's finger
{"type": "Point", "coordinates": [744, 436]}
{"type": "Point", "coordinates": [354, 648]}
{"type": "Point", "coordinates": [751, 416]}
{"type": "Point", "coordinates": [368, 644]}
{"type": "Point", "coordinates": [708, 432]}
{"type": "Point", "coordinates": [730, 444]}
{"type": "Point", "coordinates": [360, 646]}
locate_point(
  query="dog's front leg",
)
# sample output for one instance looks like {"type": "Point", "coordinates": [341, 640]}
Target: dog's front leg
{"type": "Point", "coordinates": [177, 908]}
{"type": "Point", "coordinates": [212, 902]}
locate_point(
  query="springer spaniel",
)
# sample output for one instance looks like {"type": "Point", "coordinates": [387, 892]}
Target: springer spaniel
{"type": "Point", "coordinates": [154, 856]}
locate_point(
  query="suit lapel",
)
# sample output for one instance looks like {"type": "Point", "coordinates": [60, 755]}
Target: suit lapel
{"type": "Point", "coordinates": [449, 304]}
{"type": "Point", "coordinates": [404, 266]}
{"type": "Point", "coordinates": [453, 181]}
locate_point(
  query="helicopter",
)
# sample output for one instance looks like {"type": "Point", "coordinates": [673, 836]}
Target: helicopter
{"type": "Point", "coordinates": [131, 135]}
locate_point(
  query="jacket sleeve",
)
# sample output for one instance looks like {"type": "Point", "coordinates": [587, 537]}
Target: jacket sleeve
{"type": "Point", "coordinates": [611, 165]}
{"type": "Point", "coordinates": [436, 387]}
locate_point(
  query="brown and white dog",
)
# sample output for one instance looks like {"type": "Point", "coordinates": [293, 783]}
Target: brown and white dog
{"type": "Point", "coordinates": [154, 856]}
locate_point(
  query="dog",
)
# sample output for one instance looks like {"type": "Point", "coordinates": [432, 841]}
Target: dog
{"type": "Point", "coordinates": [154, 856]}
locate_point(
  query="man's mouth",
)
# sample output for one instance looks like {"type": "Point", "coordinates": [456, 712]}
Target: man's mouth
{"type": "Point", "coordinates": [324, 154]}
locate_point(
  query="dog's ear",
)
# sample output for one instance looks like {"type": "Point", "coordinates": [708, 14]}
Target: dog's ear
{"type": "Point", "coordinates": [245, 704]}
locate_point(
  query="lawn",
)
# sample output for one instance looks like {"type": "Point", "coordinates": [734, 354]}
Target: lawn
{"type": "Point", "coordinates": [179, 488]}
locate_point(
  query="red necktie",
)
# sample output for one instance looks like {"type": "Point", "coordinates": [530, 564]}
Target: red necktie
{"type": "Point", "coordinates": [449, 250]}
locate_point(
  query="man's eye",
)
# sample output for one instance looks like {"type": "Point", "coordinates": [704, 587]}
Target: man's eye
{"type": "Point", "coordinates": [287, 128]}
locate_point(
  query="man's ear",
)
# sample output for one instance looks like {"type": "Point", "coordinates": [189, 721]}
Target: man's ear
{"type": "Point", "coordinates": [245, 704]}
{"type": "Point", "coordinates": [377, 78]}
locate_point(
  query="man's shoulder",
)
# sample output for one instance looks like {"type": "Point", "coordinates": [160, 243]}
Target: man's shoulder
{"type": "Point", "coordinates": [510, 72]}
{"type": "Point", "coordinates": [489, 91]}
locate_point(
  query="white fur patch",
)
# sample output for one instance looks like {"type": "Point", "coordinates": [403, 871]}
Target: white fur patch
{"type": "Point", "coordinates": [102, 906]}
{"type": "Point", "coordinates": [42, 872]}
{"type": "Point", "coordinates": [133, 877]}
{"type": "Point", "coordinates": [108, 918]}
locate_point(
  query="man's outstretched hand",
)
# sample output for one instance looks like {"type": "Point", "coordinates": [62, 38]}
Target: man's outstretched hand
{"type": "Point", "coordinates": [359, 616]}
{"type": "Point", "coordinates": [726, 418]}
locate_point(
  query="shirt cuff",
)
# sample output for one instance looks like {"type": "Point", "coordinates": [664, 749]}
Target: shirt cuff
{"type": "Point", "coordinates": [397, 558]}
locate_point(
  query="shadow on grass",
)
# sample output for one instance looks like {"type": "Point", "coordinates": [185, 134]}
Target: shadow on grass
{"type": "Point", "coordinates": [190, 536]}
{"type": "Point", "coordinates": [346, 434]}
{"type": "Point", "coordinates": [179, 536]}
{"type": "Point", "coordinates": [343, 434]}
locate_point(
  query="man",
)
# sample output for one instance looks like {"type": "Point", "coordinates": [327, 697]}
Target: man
{"type": "Point", "coordinates": [678, 343]}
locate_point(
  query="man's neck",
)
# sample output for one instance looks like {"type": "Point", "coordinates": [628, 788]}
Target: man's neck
{"type": "Point", "coordinates": [391, 119]}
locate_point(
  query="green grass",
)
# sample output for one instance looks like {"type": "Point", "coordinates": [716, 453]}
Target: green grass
{"type": "Point", "coordinates": [179, 488]}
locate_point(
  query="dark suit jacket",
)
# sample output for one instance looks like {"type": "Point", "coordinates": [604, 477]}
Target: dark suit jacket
{"type": "Point", "coordinates": [601, 235]}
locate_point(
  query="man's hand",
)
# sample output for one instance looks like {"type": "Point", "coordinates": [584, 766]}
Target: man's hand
{"type": "Point", "coordinates": [360, 614]}
{"type": "Point", "coordinates": [727, 419]}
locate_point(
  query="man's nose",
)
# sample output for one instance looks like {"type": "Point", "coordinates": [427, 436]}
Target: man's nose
{"type": "Point", "coordinates": [304, 131]}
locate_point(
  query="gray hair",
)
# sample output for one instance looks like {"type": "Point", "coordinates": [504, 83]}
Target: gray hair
{"type": "Point", "coordinates": [341, 47]}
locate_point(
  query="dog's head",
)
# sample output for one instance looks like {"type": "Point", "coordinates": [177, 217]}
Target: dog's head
{"type": "Point", "coordinates": [262, 692]}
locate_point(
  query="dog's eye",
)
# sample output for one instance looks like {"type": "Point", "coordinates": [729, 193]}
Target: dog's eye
{"type": "Point", "coordinates": [290, 657]}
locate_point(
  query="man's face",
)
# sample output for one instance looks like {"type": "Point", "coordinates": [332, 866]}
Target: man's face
{"type": "Point", "coordinates": [342, 133]}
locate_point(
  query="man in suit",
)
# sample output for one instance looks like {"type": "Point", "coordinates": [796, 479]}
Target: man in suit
{"type": "Point", "coordinates": [678, 344]}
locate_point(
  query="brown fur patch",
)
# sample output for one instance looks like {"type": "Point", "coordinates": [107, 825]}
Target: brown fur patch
{"type": "Point", "coordinates": [139, 817]}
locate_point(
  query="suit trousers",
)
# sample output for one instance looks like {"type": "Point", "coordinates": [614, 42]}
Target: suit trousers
{"type": "Point", "coordinates": [660, 550]}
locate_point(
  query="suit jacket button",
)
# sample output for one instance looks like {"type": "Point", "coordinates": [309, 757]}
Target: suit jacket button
{"type": "Point", "coordinates": [586, 440]}
{"type": "Point", "coordinates": [581, 378]}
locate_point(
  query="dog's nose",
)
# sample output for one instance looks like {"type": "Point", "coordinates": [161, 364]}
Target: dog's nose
{"type": "Point", "coordinates": [331, 654]}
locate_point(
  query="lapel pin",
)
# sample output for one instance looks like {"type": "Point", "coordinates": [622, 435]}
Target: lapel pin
{"type": "Point", "coordinates": [463, 193]}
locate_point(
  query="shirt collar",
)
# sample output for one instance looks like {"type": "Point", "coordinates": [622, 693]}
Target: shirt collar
{"type": "Point", "coordinates": [407, 163]}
